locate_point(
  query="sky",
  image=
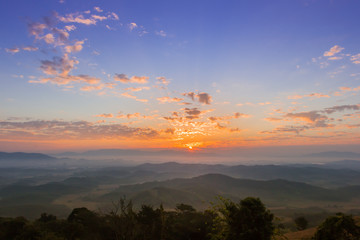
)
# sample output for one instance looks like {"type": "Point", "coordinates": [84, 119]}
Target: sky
{"type": "Point", "coordinates": [193, 75]}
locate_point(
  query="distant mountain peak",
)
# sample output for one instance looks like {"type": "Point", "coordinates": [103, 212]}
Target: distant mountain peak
{"type": "Point", "coordinates": [24, 156]}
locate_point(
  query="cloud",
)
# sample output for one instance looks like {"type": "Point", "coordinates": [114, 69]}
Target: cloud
{"type": "Point", "coordinates": [128, 95]}
{"type": "Point", "coordinates": [70, 79]}
{"type": "Point", "coordinates": [70, 28]}
{"type": "Point", "coordinates": [315, 119]}
{"type": "Point", "coordinates": [76, 18]}
{"type": "Point", "coordinates": [134, 79]}
{"type": "Point", "coordinates": [343, 90]}
{"type": "Point", "coordinates": [99, 18]}
{"type": "Point", "coordinates": [355, 58]}
{"type": "Point", "coordinates": [36, 29]}
{"type": "Point", "coordinates": [335, 58]}
{"type": "Point", "coordinates": [17, 49]}
{"type": "Point", "coordinates": [113, 16]}
{"type": "Point", "coordinates": [310, 117]}
{"type": "Point", "coordinates": [105, 115]}
{"type": "Point", "coordinates": [80, 130]}
{"type": "Point", "coordinates": [272, 119]}
{"type": "Point", "coordinates": [77, 47]}
{"type": "Point", "coordinates": [190, 95]}
{"type": "Point", "coordinates": [192, 113]}
{"type": "Point", "coordinates": [49, 38]}
{"type": "Point", "coordinates": [334, 50]}
{"type": "Point", "coordinates": [161, 33]}
{"type": "Point", "coordinates": [169, 99]}
{"type": "Point", "coordinates": [132, 26]}
{"type": "Point", "coordinates": [241, 115]}
{"type": "Point", "coordinates": [98, 9]}
{"type": "Point", "coordinates": [341, 108]}
{"type": "Point", "coordinates": [12, 50]}
{"type": "Point", "coordinates": [136, 89]}
{"type": "Point", "coordinates": [58, 66]}
{"type": "Point", "coordinates": [170, 130]}
{"type": "Point", "coordinates": [287, 129]}
{"type": "Point", "coordinates": [130, 115]}
{"type": "Point", "coordinates": [225, 119]}
{"type": "Point", "coordinates": [353, 126]}
{"type": "Point", "coordinates": [91, 88]}
{"type": "Point", "coordinates": [311, 95]}
{"type": "Point", "coordinates": [30, 48]}
{"type": "Point", "coordinates": [62, 34]}
{"type": "Point", "coordinates": [264, 103]}
{"type": "Point", "coordinates": [163, 80]}
{"type": "Point", "coordinates": [204, 98]}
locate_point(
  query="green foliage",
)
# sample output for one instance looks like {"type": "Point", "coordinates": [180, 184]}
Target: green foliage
{"type": "Point", "coordinates": [339, 227]}
{"type": "Point", "coordinates": [248, 219]}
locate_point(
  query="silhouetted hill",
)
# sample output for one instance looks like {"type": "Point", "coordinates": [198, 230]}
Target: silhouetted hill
{"type": "Point", "coordinates": [312, 174]}
{"type": "Point", "coordinates": [24, 156]}
{"type": "Point", "coordinates": [334, 154]}
{"type": "Point", "coordinates": [202, 189]}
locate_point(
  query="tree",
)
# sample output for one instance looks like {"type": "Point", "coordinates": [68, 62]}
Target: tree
{"type": "Point", "coordinates": [339, 227]}
{"type": "Point", "coordinates": [301, 223]}
{"type": "Point", "coordinates": [149, 222]}
{"type": "Point", "coordinates": [249, 219]}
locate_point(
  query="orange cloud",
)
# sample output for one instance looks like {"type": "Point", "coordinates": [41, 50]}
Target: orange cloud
{"type": "Point", "coordinates": [134, 79]}
{"type": "Point", "coordinates": [311, 95]}
{"type": "Point", "coordinates": [163, 80]}
{"type": "Point", "coordinates": [105, 115]}
{"type": "Point", "coordinates": [334, 50]}
{"type": "Point", "coordinates": [169, 99]}
{"type": "Point", "coordinates": [128, 95]}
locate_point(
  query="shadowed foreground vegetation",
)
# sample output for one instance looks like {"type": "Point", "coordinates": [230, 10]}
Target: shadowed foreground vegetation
{"type": "Point", "coordinates": [249, 219]}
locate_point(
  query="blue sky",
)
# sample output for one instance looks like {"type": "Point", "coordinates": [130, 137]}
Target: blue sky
{"type": "Point", "coordinates": [184, 74]}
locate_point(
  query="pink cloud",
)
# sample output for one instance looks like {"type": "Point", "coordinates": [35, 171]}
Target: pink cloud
{"type": "Point", "coordinates": [169, 99]}
{"type": "Point", "coordinates": [134, 79]}
{"type": "Point", "coordinates": [334, 50]}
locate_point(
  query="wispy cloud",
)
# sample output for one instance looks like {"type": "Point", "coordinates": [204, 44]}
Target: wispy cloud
{"type": "Point", "coordinates": [132, 26]}
{"type": "Point", "coordinates": [311, 95]}
{"type": "Point", "coordinates": [105, 115]}
{"type": "Point", "coordinates": [341, 108]}
{"type": "Point", "coordinates": [98, 9]}
{"type": "Point", "coordinates": [134, 79]}
{"type": "Point", "coordinates": [77, 18]}
{"type": "Point", "coordinates": [202, 97]}
{"type": "Point", "coordinates": [71, 130]}
{"type": "Point", "coordinates": [355, 58]}
{"type": "Point", "coordinates": [136, 89]}
{"type": "Point", "coordinates": [30, 48]}
{"type": "Point", "coordinates": [128, 95]}
{"type": "Point", "coordinates": [163, 80]}
{"type": "Point", "coordinates": [169, 99]}
{"type": "Point", "coordinates": [12, 50]}
{"type": "Point", "coordinates": [161, 33]}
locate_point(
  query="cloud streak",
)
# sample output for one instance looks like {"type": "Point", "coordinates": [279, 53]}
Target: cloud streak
{"type": "Point", "coordinates": [123, 78]}
{"type": "Point", "coordinates": [72, 130]}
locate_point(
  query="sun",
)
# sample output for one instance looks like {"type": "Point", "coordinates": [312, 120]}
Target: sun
{"type": "Point", "coordinates": [190, 147]}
